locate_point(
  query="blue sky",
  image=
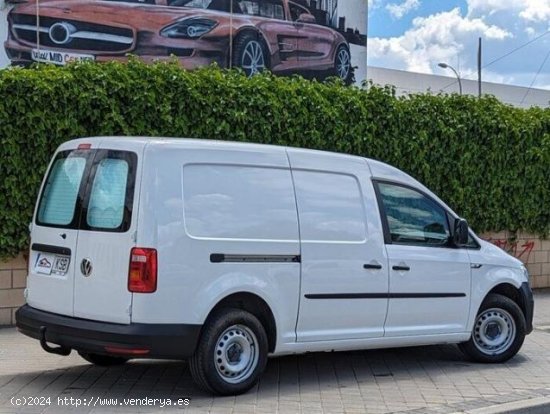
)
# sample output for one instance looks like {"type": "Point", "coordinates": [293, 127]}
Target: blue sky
{"type": "Point", "coordinates": [415, 35]}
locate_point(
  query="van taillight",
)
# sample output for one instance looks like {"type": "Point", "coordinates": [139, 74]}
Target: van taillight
{"type": "Point", "coordinates": [142, 275]}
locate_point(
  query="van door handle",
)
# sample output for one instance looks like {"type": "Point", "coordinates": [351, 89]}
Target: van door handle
{"type": "Point", "coordinates": [370, 266]}
{"type": "Point", "coordinates": [401, 268]}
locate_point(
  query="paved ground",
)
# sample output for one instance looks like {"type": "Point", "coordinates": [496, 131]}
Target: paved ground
{"type": "Point", "coordinates": [434, 379]}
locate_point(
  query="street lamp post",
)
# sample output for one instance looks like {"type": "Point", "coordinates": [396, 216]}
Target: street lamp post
{"type": "Point", "coordinates": [445, 66]}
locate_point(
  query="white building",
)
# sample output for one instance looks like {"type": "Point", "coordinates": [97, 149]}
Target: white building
{"type": "Point", "coordinates": [410, 82]}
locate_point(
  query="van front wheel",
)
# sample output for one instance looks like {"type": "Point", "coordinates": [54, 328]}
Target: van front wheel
{"type": "Point", "coordinates": [231, 354]}
{"type": "Point", "coordinates": [499, 331]}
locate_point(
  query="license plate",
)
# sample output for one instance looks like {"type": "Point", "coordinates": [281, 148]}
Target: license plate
{"type": "Point", "coordinates": [48, 263]}
{"type": "Point", "coordinates": [59, 58]}
{"type": "Point", "coordinates": [61, 265]}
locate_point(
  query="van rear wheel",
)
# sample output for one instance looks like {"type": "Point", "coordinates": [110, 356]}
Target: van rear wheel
{"type": "Point", "coordinates": [102, 360]}
{"type": "Point", "coordinates": [231, 354]}
{"type": "Point", "coordinates": [499, 331]}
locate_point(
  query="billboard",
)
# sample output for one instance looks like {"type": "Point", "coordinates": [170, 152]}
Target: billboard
{"type": "Point", "coordinates": [4, 61]}
{"type": "Point", "coordinates": [314, 38]}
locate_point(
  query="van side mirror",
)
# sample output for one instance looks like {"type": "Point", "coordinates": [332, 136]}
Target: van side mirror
{"type": "Point", "coordinates": [461, 233]}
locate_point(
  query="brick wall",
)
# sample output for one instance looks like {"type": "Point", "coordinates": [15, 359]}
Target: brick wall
{"type": "Point", "coordinates": [13, 278]}
{"type": "Point", "coordinates": [529, 249]}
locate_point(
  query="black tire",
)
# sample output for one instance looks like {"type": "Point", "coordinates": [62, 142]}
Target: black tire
{"type": "Point", "coordinates": [501, 316]}
{"type": "Point", "coordinates": [250, 54]}
{"type": "Point", "coordinates": [102, 360]}
{"type": "Point", "coordinates": [234, 326]}
{"type": "Point", "coordinates": [342, 64]}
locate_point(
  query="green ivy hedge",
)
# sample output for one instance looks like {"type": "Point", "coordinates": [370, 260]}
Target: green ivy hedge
{"type": "Point", "coordinates": [489, 161]}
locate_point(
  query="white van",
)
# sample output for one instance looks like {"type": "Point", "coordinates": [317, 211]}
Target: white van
{"type": "Point", "coordinates": [224, 253]}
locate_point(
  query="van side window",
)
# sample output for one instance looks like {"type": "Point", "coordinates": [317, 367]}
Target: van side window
{"type": "Point", "coordinates": [106, 206]}
{"type": "Point", "coordinates": [330, 207]}
{"type": "Point", "coordinates": [413, 218]}
{"type": "Point", "coordinates": [57, 205]}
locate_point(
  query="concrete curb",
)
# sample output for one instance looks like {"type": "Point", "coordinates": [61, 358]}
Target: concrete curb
{"type": "Point", "coordinates": [537, 405]}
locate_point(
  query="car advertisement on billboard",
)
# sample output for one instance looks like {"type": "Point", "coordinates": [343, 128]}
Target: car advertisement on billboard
{"type": "Point", "coordinates": [313, 38]}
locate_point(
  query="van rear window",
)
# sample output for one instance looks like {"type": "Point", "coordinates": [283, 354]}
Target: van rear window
{"type": "Point", "coordinates": [89, 190]}
{"type": "Point", "coordinates": [58, 203]}
{"type": "Point", "coordinates": [106, 207]}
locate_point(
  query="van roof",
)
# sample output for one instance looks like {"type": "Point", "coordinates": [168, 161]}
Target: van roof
{"type": "Point", "coordinates": [202, 143]}
{"type": "Point", "coordinates": [378, 169]}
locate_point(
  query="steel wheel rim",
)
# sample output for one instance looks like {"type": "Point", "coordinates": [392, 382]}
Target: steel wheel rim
{"type": "Point", "coordinates": [236, 355]}
{"type": "Point", "coordinates": [343, 64]}
{"type": "Point", "coordinates": [494, 331]}
{"type": "Point", "coordinates": [253, 58]}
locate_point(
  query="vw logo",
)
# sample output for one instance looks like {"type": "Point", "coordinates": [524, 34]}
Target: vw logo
{"type": "Point", "coordinates": [60, 33]}
{"type": "Point", "coordinates": [86, 267]}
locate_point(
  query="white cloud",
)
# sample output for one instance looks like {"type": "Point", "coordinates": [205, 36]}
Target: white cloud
{"type": "Point", "coordinates": [530, 10]}
{"type": "Point", "coordinates": [536, 10]}
{"type": "Point", "coordinates": [374, 4]}
{"type": "Point", "coordinates": [397, 11]}
{"type": "Point", "coordinates": [493, 6]}
{"type": "Point", "coordinates": [513, 42]}
{"type": "Point", "coordinates": [436, 38]}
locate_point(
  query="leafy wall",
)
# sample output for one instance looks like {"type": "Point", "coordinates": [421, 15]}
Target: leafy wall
{"type": "Point", "coordinates": [489, 161]}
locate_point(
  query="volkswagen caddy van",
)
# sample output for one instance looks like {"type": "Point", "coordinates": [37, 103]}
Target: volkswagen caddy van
{"type": "Point", "coordinates": [225, 253]}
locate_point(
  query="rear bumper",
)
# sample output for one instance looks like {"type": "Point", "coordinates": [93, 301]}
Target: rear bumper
{"type": "Point", "coordinates": [167, 341]}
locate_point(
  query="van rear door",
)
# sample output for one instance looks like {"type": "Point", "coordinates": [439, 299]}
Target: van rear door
{"type": "Point", "coordinates": [106, 236]}
{"type": "Point", "coordinates": [55, 231]}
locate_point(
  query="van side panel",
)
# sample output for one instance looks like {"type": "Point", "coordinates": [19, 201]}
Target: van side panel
{"type": "Point", "coordinates": [223, 220]}
{"type": "Point", "coordinates": [344, 265]}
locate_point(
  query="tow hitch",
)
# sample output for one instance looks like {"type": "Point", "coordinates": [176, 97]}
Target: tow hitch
{"type": "Point", "coordinates": [59, 350]}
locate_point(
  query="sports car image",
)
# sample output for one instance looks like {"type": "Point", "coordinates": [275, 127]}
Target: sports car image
{"type": "Point", "coordinates": [283, 36]}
